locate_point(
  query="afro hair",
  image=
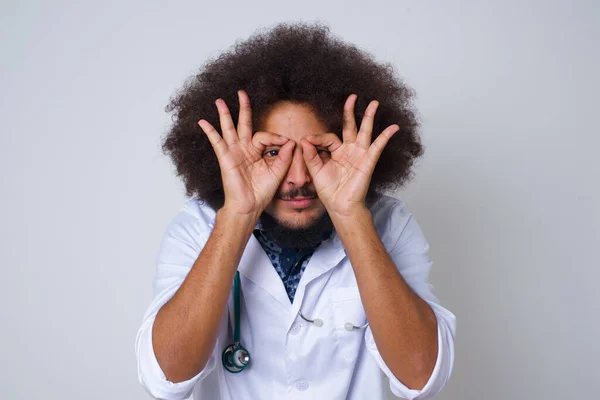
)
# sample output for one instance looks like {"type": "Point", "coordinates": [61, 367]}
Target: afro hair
{"type": "Point", "coordinates": [305, 64]}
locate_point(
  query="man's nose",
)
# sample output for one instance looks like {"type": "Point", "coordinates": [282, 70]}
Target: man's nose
{"type": "Point", "coordinates": [298, 174]}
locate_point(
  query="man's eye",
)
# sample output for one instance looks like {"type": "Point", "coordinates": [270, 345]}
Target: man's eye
{"type": "Point", "coordinates": [324, 152]}
{"type": "Point", "coordinates": [271, 153]}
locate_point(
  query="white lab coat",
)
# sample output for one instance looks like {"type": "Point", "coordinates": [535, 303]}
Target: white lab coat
{"type": "Point", "coordinates": [291, 358]}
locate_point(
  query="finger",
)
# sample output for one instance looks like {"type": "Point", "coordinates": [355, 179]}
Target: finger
{"type": "Point", "coordinates": [262, 140]}
{"type": "Point", "coordinates": [349, 127]}
{"type": "Point", "coordinates": [381, 141]}
{"type": "Point", "coordinates": [214, 138]}
{"type": "Point", "coordinates": [244, 127]}
{"type": "Point", "coordinates": [313, 161]}
{"type": "Point", "coordinates": [227, 127]}
{"type": "Point", "coordinates": [330, 141]}
{"type": "Point", "coordinates": [366, 126]}
{"type": "Point", "coordinates": [283, 160]}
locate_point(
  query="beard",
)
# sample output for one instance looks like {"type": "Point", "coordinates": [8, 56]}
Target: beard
{"type": "Point", "coordinates": [298, 238]}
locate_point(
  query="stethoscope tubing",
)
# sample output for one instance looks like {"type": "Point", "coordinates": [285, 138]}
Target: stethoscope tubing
{"type": "Point", "coordinates": [236, 302]}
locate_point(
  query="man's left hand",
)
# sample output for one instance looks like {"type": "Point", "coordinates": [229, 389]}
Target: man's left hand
{"type": "Point", "coordinates": [342, 174]}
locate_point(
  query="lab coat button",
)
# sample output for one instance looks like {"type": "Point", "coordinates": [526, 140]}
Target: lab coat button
{"type": "Point", "coordinates": [302, 385]}
{"type": "Point", "coordinates": [295, 329]}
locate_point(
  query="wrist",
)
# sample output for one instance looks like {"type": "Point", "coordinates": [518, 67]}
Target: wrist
{"type": "Point", "coordinates": [243, 213]}
{"type": "Point", "coordinates": [250, 216]}
{"type": "Point", "coordinates": [351, 213]}
{"type": "Point", "coordinates": [351, 217]}
{"type": "Point", "coordinates": [236, 219]}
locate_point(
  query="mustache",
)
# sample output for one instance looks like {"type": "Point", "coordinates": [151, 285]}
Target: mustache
{"type": "Point", "coordinates": [298, 192]}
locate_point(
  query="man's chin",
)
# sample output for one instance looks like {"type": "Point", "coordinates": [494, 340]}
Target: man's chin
{"type": "Point", "coordinates": [297, 232]}
{"type": "Point", "coordinates": [298, 221]}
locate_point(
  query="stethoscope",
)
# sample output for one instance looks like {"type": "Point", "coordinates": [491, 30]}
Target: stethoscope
{"type": "Point", "coordinates": [235, 357]}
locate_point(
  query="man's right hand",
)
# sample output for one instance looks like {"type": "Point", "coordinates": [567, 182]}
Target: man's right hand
{"type": "Point", "coordinates": [249, 182]}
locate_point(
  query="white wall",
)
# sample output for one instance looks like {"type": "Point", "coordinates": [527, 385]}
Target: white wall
{"type": "Point", "coordinates": [507, 193]}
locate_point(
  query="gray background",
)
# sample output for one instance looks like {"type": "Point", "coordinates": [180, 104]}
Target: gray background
{"type": "Point", "coordinates": [508, 92]}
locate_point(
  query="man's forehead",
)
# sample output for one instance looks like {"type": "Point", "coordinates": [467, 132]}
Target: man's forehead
{"type": "Point", "coordinates": [292, 120]}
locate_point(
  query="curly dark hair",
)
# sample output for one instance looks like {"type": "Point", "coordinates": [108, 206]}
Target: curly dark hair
{"type": "Point", "coordinates": [305, 64]}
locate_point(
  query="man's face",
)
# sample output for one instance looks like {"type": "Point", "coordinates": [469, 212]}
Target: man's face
{"type": "Point", "coordinates": [295, 122]}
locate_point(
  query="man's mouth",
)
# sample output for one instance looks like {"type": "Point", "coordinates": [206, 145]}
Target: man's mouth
{"type": "Point", "coordinates": [299, 202]}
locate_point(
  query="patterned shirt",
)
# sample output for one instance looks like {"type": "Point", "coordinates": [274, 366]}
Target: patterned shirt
{"type": "Point", "coordinates": [289, 263]}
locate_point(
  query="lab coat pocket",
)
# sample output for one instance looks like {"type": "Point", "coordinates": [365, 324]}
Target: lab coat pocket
{"type": "Point", "coordinates": [349, 317]}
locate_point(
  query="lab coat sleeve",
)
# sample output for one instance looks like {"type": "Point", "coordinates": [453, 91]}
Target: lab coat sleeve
{"type": "Point", "coordinates": [179, 248]}
{"type": "Point", "coordinates": [410, 255]}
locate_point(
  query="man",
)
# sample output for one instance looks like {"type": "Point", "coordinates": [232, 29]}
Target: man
{"type": "Point", "coordinates": [329, 274]}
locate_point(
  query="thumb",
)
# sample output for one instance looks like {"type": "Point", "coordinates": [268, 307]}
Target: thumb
{"type": "Point", "coordinates": [284, 159]}
{"type": "Point", "coordinates": [314, 163]}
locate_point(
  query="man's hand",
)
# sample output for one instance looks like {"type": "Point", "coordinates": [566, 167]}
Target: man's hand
{"type": "Point", "coordinates": [249, 182]}
{"type": "Point", "coordinates": [343, 180]}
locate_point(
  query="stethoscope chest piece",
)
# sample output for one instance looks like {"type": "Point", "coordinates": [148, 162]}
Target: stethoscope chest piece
{"type": "Point", "coordinates": [235, 358]}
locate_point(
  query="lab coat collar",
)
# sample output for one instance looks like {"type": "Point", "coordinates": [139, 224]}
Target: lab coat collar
{"type": "Point", "coordinates": [256, 266]}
